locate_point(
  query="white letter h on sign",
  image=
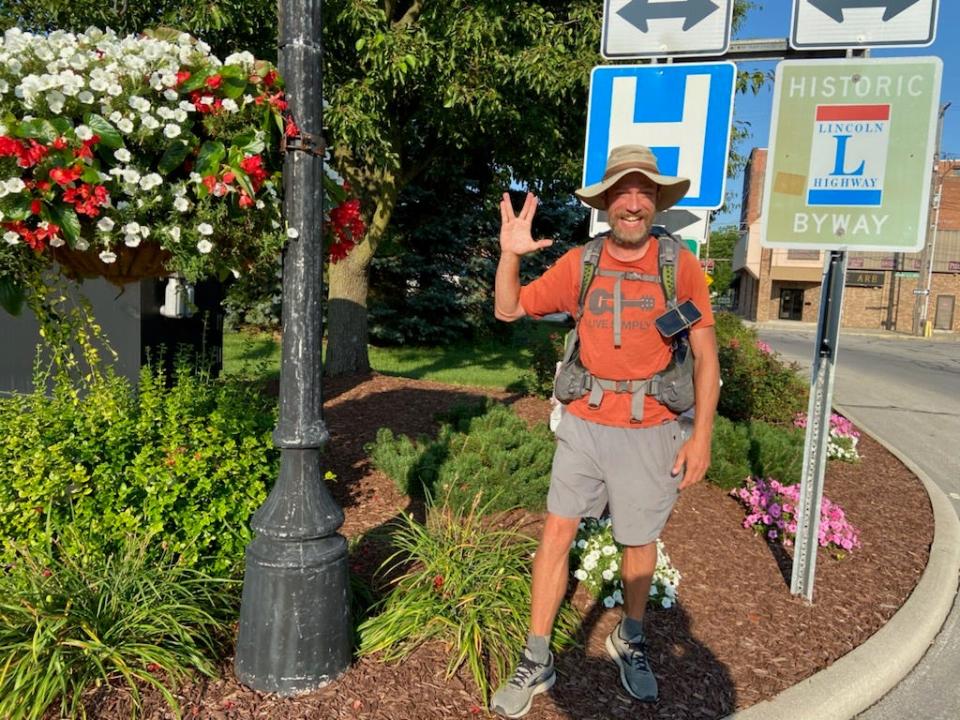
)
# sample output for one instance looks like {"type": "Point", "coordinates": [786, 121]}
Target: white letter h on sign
{"type": "Point", "coordinates": [689, 133]}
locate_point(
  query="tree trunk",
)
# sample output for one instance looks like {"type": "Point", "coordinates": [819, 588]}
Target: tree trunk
{"type": "Point", "coordinates": [347, 313]}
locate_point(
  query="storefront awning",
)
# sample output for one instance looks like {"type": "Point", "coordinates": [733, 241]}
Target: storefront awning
{"type": "Point", "coordinates": [797, 274]}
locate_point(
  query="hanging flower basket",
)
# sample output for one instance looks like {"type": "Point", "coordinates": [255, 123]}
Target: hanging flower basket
{"type": "Point", "coordinates": [139, 156]}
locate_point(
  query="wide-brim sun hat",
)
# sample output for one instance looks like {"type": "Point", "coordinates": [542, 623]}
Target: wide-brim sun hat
{"type": "Point", "coordinates": [627, 159]}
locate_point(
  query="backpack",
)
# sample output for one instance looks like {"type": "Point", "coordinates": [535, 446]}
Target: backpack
{"type": "Point", "coordinates": [672, 386]}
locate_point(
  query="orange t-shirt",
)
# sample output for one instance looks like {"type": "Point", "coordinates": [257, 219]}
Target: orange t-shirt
{"type": "Point", "coordinates": [643, 351]}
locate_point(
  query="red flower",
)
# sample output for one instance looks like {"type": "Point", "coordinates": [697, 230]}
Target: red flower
{"type": "Point", "coordinates": [229, 177]}
{"type": "Point", "coordinates": [35, 207]}
{"type": "Point", "coordinates": [437, 582]}
{"type": "Point", "coordinates": [213, 82]}
{"type": "Point", "coordinates": [43, 185]}
{"type": "Point", "coordinates": [245, 200]}
{"type": "Point", "coordinates": [60, 143]}
{"type": "Point", "coordinates": [65, 176]}
{"type": "Point", "coordinates": [270, 78]}
{"type": "Point", "coordinates": [210, 181]}
{"type": "Point", "coordinates": [30, 154]}
{"type": "Point", "coordinates": [291, 129]}
{"type": "Point", "coordinates": [182, 77]}
{"type": "Point", "coordinates": [252, 165]}
{"type": "Point", "coordinates": [47, 572]}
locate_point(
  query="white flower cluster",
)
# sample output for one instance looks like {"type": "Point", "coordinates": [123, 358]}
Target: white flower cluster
{"type": "Point", "coordinates": [597, 559]}
{"type": "Point", "coordinates": [842, 447]}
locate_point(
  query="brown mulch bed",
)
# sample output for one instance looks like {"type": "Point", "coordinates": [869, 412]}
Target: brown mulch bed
{"type": "Point", "coordinates": [736, 637]}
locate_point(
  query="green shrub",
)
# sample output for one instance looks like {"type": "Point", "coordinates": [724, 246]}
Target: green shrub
{"type": "Point", "coordinates": [70, 622]}
{"type": "Point", "coordinates": [757, 384]}
{"type": "Point", "coordinates": [758, 449]}
{"type": "Point", "coordinates": [466, 585]}
{"type": "Point", "coordinates": [189, 464]}
{"type": "Point", "coordinates": [493, 453]}
{"type": "Point", "coordinates": [776, 451]}
{"type": "Point", "coordinates": [729, 454]}
{"type": "Point", "coordinates": [546, 349]}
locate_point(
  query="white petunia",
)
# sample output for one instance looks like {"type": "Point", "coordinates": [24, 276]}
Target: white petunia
{"type": "Point", "coordinates": [11, 237]}
{"type": "Point", "coordinates": [165, 112]}
{"type": "Point", "coordinates": [581, 543]}
{"type": "Point", "coordinates": [181, 204]}
{"type": "Point", "coordinates": [667, 603]}
{"type": "Point", "coordinates": [653, 590]}
{"type": "Point", "coordinates": [55, 101]}
{"type": "Point", "coordinates": [114, 90]}
{"type": "Point", "coordinates": [179, 115]}
{"type": "Point", "coordinates": [609, 550]}
{"type": "Point", "coordinates": [108, 257]}
{"type": "Point", "coordinates": [174, 233]}
{"type": "Point", "coordinates": [132, 228]}
{"type": "Point", "coordinates": [589, 563]}
{"type": "Point", "coordinates": [98, 84]}
{"type": "Point", "coordinates": [83, 132]}
{"type": "Point", "coordinates": [149, 122]}
{"type": "Point", "coordinates": [618, 596]}
{"type": "Point", "coordinates": [14, 185]}
{"type": "Point", "coordinates": [170, 94]}
{"type": "Point", "coordinates": [293, 233]}
{"type": "Point", "coordinates": [131, 176]}
{"type": "Point", "coordinates": [580, 574]}
{"type": "Point", "coordinates": [131, 240]}
{"type": "Point", "coordinates": [105, 224]}
{"type": "Point", "coordinates": [205, 229]}
{"type": "Point", "coordinates": [125, 126]}
{"type": "Point", "coordinates": [187, 106]}
{"type": "Point", "coordinates": [86, 97]}
{"type": "Point", "coordinates": [204, 246]}
{"type": "Point", "coordinates": [607, 575]}
{"type": "Point", "coordinates": [122, 154]}
{"type": "Point", "coordinates": [150, 181]}
{"type": "Point", "coordinates": [230, 105]}
{"type": "Point", "coordinates": [81, 245]}
{"type": "Point", "coordinates": [116, 116]}
{"type": "Point", "coordinates": [608, 602]}
{"type": "Point", "coordinates": [171, 130]}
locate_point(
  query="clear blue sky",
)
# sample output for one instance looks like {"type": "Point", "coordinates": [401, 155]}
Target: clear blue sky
{"type": "Point", "coordinates": [772, 19]}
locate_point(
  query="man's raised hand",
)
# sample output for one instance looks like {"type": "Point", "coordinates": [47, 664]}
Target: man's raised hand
{"type": "Point", "coordinates": [515, 235]}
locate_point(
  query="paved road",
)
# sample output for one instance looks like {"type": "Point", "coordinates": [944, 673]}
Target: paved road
{"type": "Point", "coordinates": [906, 391]}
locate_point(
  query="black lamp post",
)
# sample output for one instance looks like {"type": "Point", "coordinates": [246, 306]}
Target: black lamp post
{"type": "Point", "coordinates": [295, 617]}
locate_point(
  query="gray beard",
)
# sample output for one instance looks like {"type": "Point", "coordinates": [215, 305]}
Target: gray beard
{"type": "Point", "coordinates": [621, 241]}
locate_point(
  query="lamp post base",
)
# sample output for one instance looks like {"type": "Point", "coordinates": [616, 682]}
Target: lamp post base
{"type": "Point", "coordinates": [303, 641]}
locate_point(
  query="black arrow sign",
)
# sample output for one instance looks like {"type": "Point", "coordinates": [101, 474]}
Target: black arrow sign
{"type": "Point", "coordinates": [637, 12]}
{"type": "Point", "coordinates": [835, 8]}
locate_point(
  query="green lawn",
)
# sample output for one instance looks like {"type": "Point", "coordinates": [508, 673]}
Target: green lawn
{"type": "Point", "coordinates": [489, 363]}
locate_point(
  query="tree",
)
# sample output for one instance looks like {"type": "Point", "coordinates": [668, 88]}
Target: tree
{"type": "Point", "coordinates": [722, 244]}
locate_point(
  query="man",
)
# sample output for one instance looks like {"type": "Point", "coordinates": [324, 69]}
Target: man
{"type": "Point", "coordinates": [604, 456]}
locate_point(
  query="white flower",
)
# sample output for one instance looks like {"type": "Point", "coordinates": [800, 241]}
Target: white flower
{"type": "Point", "coordinates": [181, 204]}
{"type": "Point", "coordinates": [81, 245]}
{"type": "Point", "coordinates": [179, 115]}
{"type": "Point", "coordinates": [150, 181]}
{"type": "Point", "coordinates": [293, 233]}
{"type": "Point", "coordinates": [108, 257]}
{"type": "Point", "coordinates": [125, 126]}
{"type": "Point", "coordinates": [608, 602]}
{"type": "Point", "coordinates": [613, 565]}
{"type": "Point", "coordinates": [138, 103]}
{"type": "Point", "coordinates": [55, 101]}
{"type": "Point", "coordinates": [116, 116]}
{"type": "Point", "coordinates": [149, 122]}
{"type": "Point", "coordinates": [581, 544]}
{"type": "Point", "coordinates": [607, 575]}
{"type": "Point", "coordinates": [131, 240]}
{"type": "Point", "coordinates": [171, 130]}
{"type": "Point", "coordinates": [204, 246]}
{"type": "Point", "coordinates": [206, 100]}
{"type": "Point", "coordinates": [122, 154]}
{"type": "Point", "coordinates": [86, 97]}
{"type": "Point", "coordinates": [131, 176]}
{"type": "Point", "coordinates": [105, 224]}
{"type": "Point", "coordinates": [667, 603]}
{"type": "Point", "coordinates": [618, 597]}
{"type": "Point", "coordinates": [230, 105]}
{"type": "Point", "coordinates": [589, 563]}
{"type": "Point", "coordinates": [114, 90]}
{"type": "Point", "coordinates": [205, 229]}
{"type": "Point", "coordinates": [174, 233]}
{"type": "Point", "coordinates": [98, 84]}
{"type": "Point", "coordinates": [4, 87]}
{"type": "Point", "coordinates": [609, 550]}
{"type": "Point", "coordinates": [15, 185]}
{"type": "Point", "coordinates": [653, 590]}
{"type": "Point", "coordinates": [131, 228]}
{"type": "Point", "coordinates": [83, 132]}
{"type": "Point", "coordinates": [165, 112]}
{"type": "Point", "coordinates": [579, 574]}
{"type": "Point", "coordinates": [11, 237]}
{"type": "Point", "coordinates": [187, 106]}
{"type": "Point", "coordinates": [169, 94]}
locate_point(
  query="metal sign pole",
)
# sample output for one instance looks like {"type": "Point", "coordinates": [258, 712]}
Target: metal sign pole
{"type": "Point", "coordinates": [818, 426]}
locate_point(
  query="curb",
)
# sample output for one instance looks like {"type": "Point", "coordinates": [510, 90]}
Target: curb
{"type": "Point", "coordinates": [864, 675]}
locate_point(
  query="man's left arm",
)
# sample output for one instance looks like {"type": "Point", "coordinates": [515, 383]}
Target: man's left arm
{"type": "Point", "coordinates": [695, 452]}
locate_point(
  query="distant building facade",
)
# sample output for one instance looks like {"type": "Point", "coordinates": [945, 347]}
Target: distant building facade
{"type": "Point", "coordinates": [779, 284]}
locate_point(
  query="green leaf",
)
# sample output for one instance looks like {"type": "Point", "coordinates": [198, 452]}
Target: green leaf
{"type": "Point", "coordinates": [233, 87]}
{"type": "Point", "coordinates": [62, 125]}
{"type": "Point", "coordinates": [91, 176]}
{"type": "Point", "coordinates": [67, 219]}
{"type": "Point", "coordinates": [109, 136]}
{"type": "Point", "coordinates": [243, 180]}
{"type": "Point", "coordinates": [360, 43]}
{"type": "Point", "coordinates": [38, 129]}
{"type": "Point", "coordinates": [173, 157]}
{"type": "Point", "coordinates": [195, 81]}
{"type": "Point", "coordinates": [15, 207]}
{"type": "Point", "coordinates": [11, 295]}
{"type": "Point", "coordinates": [210, 157]}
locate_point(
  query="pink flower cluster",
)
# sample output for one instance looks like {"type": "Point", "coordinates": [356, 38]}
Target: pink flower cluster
{"type": "Point", "coordinates": [839, 425]}
{"type": "Point", "coordinates": [764, 348]}
{"type": "Point", "coordinates": [772, 508]}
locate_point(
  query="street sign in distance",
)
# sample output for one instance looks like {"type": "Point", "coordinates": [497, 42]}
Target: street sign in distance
{"type": "Point", "coordinates": [851, 154]}
{"type": "Point", "coordinates": [645, 28]}
{"type": "Point", "coordinates": [823, 24]}
{"type": "Point", "coordinates": [921, 291]}
{"type": "Point", "coordinates": [682, 112]}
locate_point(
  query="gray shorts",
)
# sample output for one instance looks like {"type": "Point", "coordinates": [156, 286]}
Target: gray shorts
{"type": "Point", "coordinates": [627, 468]}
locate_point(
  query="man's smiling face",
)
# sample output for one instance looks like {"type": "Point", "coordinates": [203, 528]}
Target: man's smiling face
{"type": "Point", "coordinates": [631, 206]}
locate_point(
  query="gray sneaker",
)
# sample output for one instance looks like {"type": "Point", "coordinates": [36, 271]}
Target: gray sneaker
{"type": "Point", "coordinates": [631, 658]}
{"type": "Point", "coordinates": [514, 698]}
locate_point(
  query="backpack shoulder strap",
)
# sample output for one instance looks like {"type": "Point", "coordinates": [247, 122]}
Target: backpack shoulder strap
{"type": "Point", "coordinates": [669, 251]}
{"type": "Point", "coordinates": [589, 260]}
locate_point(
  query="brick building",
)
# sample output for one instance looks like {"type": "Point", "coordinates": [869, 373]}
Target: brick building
{"type": "Point", "coordinates": [779, 284]}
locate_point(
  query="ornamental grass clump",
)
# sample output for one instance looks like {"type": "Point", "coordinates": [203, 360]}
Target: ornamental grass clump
{"type": "Point", "coordinates": [464, 583]}
{"type": "Point", "coordinates": [596, 560]}
{"type": "Point", "coordinates": [843, 438]}
{"type": "Point", "coordinates": [70, 623]}
{"type": "Point", "coordinates": [772, 513]}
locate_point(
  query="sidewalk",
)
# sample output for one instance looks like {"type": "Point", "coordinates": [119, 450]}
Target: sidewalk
{"type": "Point", "coordinates": [938, 335]}
{"type": "Point", "coordinates": [865, 675]}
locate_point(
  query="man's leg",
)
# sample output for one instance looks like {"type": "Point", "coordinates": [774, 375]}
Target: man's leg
{"type": "Point", "coordinates": [551, 572]}
{"type": "Point", "coordinates": [535, 672]}
{"type": "Point", "coordinates": [639, 564]}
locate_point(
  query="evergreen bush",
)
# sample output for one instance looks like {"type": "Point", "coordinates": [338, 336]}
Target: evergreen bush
{"type": "Point", "coordinates": [758, 449]}
{"type": "Point", "coordinates": [729, 454]}
{"type": "Point", "coordinates": [492, 453]}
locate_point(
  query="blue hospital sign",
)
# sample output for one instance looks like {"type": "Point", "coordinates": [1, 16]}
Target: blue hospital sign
{"type": "Point", "coordinates": [848, 155]}
{"type": "Point", "coordinates": [682, 112]}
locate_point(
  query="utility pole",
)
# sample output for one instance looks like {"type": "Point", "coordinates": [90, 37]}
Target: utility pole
{"type": "Point", "coordinates": [925, 276]}
{"type": "Point", "coordinates": [295, 631]}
